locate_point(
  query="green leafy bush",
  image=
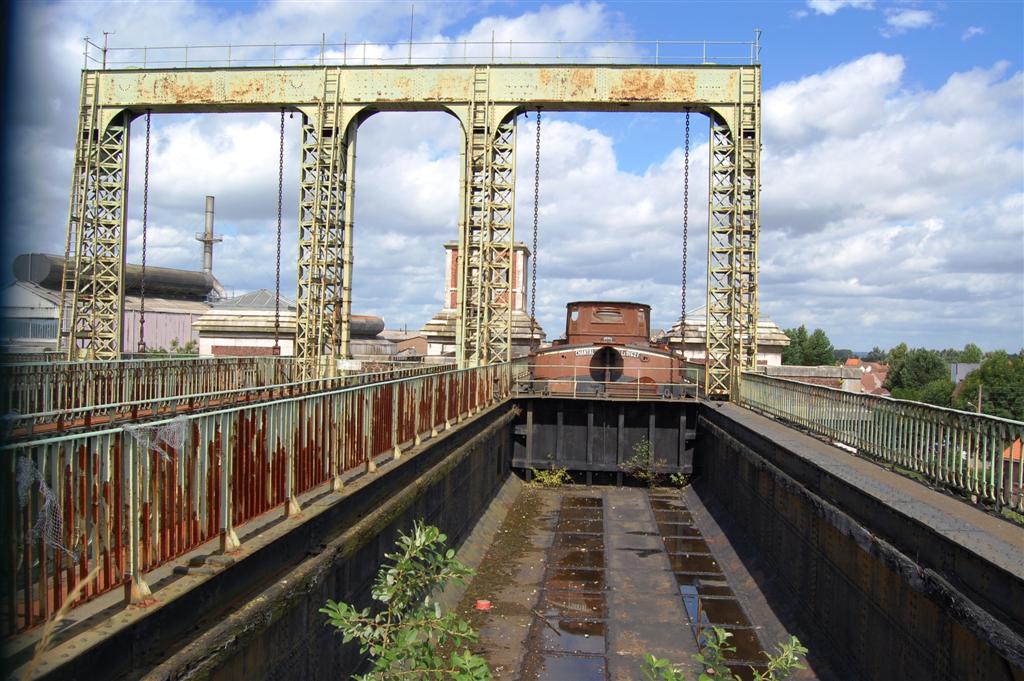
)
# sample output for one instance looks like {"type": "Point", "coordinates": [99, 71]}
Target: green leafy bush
{"type": "Point", "coordinates": [551, 477]}
{"type": "Point", "coordinates": [713, 662]}
{"type": "Point", "coordinates": [410, 637]}
{"type": "Point", "coordinates": [642, 465]}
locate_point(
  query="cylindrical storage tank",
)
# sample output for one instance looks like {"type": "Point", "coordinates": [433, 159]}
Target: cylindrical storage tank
{"type": "Point", "coordinates": [47, 271]}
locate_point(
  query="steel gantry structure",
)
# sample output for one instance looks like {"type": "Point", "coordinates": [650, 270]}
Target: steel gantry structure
{"type": "Point", "coordinates": [486, 98]}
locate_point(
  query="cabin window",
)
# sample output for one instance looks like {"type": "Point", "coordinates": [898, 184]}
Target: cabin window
{"type": "Point", "coordinates": [607, 315]}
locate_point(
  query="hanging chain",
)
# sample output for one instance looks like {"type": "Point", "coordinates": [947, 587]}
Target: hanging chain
{"type": "Point", "coordinates": [536, 212]}
{"type": "Point", "coordinates": [277, 279]}
{"type": "Point", "coordinates": [145, 230]}
{"type": "Point", "coordinates": [686, 225]}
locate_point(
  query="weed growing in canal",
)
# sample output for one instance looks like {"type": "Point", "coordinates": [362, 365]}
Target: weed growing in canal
{"type": "Point", "coordinates": [679, 480]}
{"type": "Point", "coordinates": [642, 465]}
{"type": "Point", "coordinates": [713, 661]}
{"type": "Point", "coordinates": [552, 477]}
{"type": "Point", "coordinates": [406, 637]}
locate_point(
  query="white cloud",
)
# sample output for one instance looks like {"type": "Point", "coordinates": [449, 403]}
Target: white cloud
{"type": "Point", "coordinates": [901, 20]}
{"type": "Point", "coordinates": [899, 209]}
{"type": "Point", "coordinates": [972, 32]}
{"type": "Point", "coordinates": [830, 7]}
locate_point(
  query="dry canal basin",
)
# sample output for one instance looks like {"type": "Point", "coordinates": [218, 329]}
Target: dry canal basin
{"type": "Point", "coordinates": [584, 581]}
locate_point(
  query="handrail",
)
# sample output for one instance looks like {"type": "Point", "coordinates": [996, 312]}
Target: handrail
{"type": "Point", "coordinates": [411, 52]}
{"type": "Point", "coordinates": [970, 453]}
{"type": "Point", "coordinates": [18, 426]}
{"type": "Point", "coordinates": [128, 500]}
{"type": "Point", "coordinates": [576, 381]}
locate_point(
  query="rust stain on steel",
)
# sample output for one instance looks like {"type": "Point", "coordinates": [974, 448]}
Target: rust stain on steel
{"type": "Point", "coordinates": [649, 85]}
{"type": "Point", "coordinates": [169, 88]}
{"type": "Point", "coordinates": [581, 82]}
{"type": "Point", "coordinates": [248, 89]}
{"type": "Point", "coordinates": [545, 76]}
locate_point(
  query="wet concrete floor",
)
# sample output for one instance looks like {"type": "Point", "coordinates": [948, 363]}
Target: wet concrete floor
{"type": "Point", "coordinates": [583, 581]}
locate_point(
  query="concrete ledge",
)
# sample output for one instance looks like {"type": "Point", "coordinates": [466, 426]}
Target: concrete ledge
{"type": "Point", "coordinates": [967, 563]}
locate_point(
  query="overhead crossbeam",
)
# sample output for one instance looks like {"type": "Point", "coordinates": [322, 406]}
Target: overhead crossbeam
{"type": "Point", "coordinates": [485, 99]}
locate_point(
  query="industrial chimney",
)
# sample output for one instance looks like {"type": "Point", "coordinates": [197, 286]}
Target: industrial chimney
{"type": "Point", "coordinates": [207, 239]}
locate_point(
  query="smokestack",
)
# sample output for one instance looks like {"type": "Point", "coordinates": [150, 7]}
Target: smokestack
{"type": "Point", "coordinates": [208, 239]}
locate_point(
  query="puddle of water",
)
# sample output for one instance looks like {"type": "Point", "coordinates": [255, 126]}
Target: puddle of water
{"type": "Point", "coordinates": [667, 504]}
{"type": "Point", "coordinates": [694, 562]}
{"type": "Point", "coordinates": [704, 585]}
{"type": "Point", "coordinates": [569, 502]}
{"type": "Point", "coordinates": [576, 636]}
{"type": "Point", "coordinates": [673, 517]}
{"type": "Point", "coordinates": [686, 545]}
{"type": "Point", "coordinates": [577, 558]}
{"type": "Point", "coordinates": [677, 530]}
{"type": "Point", "coordinates": [581, 526]}
{"type": "Point", "coordinates": [572, 604]}
{"type": "Point", "coordinates": [748, 647]}
{"type": "Point", "coordinates": [564, 668]}
{"type": "Point", "coordinates": [579, 541]}
{"type": "Point", "coordinates": [644, 534]}
{"type": "Point", "coordinates": [584, 580]}
{"type": "Point", "coordinates": [724, 611]}
{"type": "Point", "coordinates": [642, 553]}
{"type": "Point", "coordinates": [582, 513]}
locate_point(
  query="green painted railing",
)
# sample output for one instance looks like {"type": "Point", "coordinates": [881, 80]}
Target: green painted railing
{"type": "Point", "coordinates": [973, 454]}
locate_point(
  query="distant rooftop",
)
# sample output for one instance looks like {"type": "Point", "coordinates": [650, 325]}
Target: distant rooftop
{"type": "Point", "coordinates": [261, 299]}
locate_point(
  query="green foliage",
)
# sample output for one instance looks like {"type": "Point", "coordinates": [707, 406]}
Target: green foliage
{"type": "Point", "coordinates": [818, 350]}
{"type": "Point", "coordinates": [189, 348]}
{"type": "Point", "coordinates": [842, 354]}
{"type": "Point", "coordinates": [679, 480]}
{"type": "Point", "coordinates": [551, 477]}
{"type": "Point", "coordinates": [794, 352]}
{"type": "Point", "coordinates": [971, 354]}
{"type": "Point", "coordinates": [409, 635]}
{"type": "Point", "coordinates": [713, 661]}
{"type": "Point", "coordinates": [877, 354]}
{"type": "Point", "coordinates": [808, 350]}
{"type": "Point", "coordinates": [895, 358]}
{"type": "Point", "coordinates": [1001, 378]}
{"type": "Point", "coordinates": [643, 465]}
{"type": "Point", "coordinates": [916, 369]}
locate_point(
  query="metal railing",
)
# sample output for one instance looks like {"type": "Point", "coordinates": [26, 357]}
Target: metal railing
{"type": "Point", "coordinates": [113, 501]}
{"type": "Point", "coordinates": [29, 388]}
{"type": "Point", "coordinates": [970, 453]}
{"type": "Point", "coordinates": [412, 52]}
{"type": "Point", "coordinates": [578, 381]}
{"type": "Point", "coordinates": [16, 426]}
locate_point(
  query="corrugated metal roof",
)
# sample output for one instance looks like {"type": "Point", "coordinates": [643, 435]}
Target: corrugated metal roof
{"type": "Point", "coordinates": [254, 300]}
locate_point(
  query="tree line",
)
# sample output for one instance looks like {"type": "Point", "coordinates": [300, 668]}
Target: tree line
{"type": "Point", "coordinates": [996, 387]}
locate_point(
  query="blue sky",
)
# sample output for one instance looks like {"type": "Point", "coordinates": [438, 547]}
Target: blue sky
{"type": "Point", "coordinates": [893, 169]}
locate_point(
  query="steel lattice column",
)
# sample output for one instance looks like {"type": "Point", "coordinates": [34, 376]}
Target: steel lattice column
{"type": "Point", "coordinates": [748, 225]}
{"type": "Point", "coordinates": [721, 259]}
{"type": "Point", "coordinates": [322, 214]}
{"type": "Point", "coordinates": [733, 226]}
{"type": "Point", "coordinates": [96, 235]}
{"type": "Point", "coordinates": [484, 329]}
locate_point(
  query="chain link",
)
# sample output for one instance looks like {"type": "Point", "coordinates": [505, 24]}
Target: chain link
{"type": "Point", "coordinates": [534, 340]}
{"type": "Point", "coordinates": [145, 230]}
{"type": "Point", "coordinates": [277, 276]}
{"type": "Point", "coordinates": [686, 227]}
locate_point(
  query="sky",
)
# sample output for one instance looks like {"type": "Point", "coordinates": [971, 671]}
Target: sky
{"type": "Point", "coordinates": [892, 204]}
